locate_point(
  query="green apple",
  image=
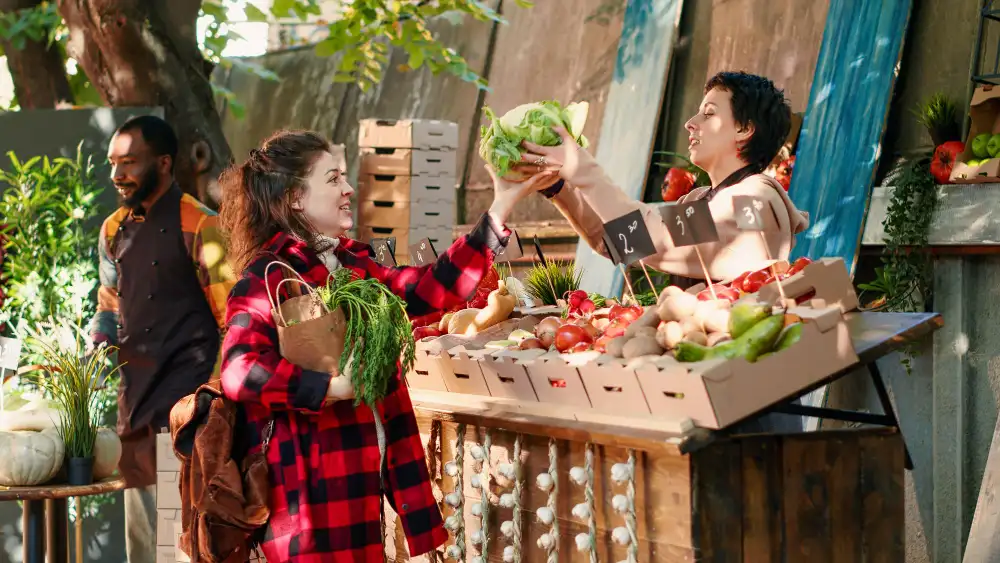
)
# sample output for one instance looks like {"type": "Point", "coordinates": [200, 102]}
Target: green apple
{"type": "Point", "coordinates": [972, 162]}
{"type": "Point", "coordinates": [993, 147]}
{"type": "Point", "coordinates": [979, 145]}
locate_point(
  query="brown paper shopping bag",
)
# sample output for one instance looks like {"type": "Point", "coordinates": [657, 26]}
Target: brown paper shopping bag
{"type": "Point", "coordinates": [310, 335]}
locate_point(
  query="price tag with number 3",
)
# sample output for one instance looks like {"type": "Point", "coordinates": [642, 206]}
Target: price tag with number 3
{"type": "Point", "coordinates": [749, 213]}
{"type": "Point", "coordinates": [690, 223]}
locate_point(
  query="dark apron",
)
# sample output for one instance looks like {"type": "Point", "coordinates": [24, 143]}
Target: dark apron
{"type": "Point", "coordinates": [168, 336]}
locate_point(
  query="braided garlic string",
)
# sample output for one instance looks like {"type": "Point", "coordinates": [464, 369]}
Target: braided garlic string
{"type": "Point", "coordinates": [518, 497]}
{"type": "Point", "coordinates": [584, 476]}
{"type": "Point", "coordinates": [456, 499]}
{"type": "Point", "coordinates": [624, 473]}
{"type": "Point", "coordinates": [549, 482]}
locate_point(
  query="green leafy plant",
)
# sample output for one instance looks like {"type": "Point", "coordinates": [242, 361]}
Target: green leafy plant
{"type": "Point", "coordinates": [378, 325]}
{"type": "Point", "coordinates": [940, 116]}
{"type": "Point", "coordinates": [500, 144]}
{"type": "Point", "coordinates": [904, 283]}
{"type": "Point", "coordinates": [549, 282]}
{"type": "Point", "coordinates": [50, 226]}
{"type": "Point", "coordinates": [73, 379]}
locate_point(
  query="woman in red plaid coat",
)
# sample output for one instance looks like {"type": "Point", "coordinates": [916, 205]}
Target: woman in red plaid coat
{"type": "Point", "coordinates": [291, 198]}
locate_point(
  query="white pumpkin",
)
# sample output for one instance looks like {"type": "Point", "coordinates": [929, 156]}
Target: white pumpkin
{"type": "Point", "coordinates": [29, 458]}
{"type": "Point", "coordinates": [107, 453]}
{"type": "Point", "coordinates": [35, 415]}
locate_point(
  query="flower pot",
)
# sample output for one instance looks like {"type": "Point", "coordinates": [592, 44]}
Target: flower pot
{"type": "Point", "coordinates": [80, 471]}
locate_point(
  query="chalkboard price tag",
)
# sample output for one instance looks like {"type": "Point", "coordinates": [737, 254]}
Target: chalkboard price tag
{"type": "Point", "coordinates": [423, 253]}
{"type": "Point", "coordinates": [513, 251]}
{"type": "Point", "coordinates": [10, 353]}
{"type": "Point", "coordinates": [627, 239]}
{"type": "Point", "coordinates": [690, 223]}
{"type": "Point", "coordinates": [748, 211]}
{"type": "Point", "coordinates": [385, 251]}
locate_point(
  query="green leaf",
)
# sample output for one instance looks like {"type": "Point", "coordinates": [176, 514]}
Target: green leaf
{"type": "Point", "coordinates": [326, 48]}
{"type": "Point", "coordinates": [282, 8]}
{"type": "Point", "coordinates": [254, 14]}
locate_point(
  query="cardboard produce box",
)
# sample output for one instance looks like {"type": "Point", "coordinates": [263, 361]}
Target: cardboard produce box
{"type": "Point", "coordinates": [655, 391]}
{"type": "Point", "coordinates": [826, 279]}
{"type": "Point", "coordinates": [426, 134]}
{"type": "Point", "coordinates": [406, 214]}
{"type": "Point", "coordinates": [166, 459]}
{"type": "Point", "coordinates": [387, 187]}
{"type": "Point", "coordinates": [984, 111]}
{"type": "Point", "coordinates": [408, 162]}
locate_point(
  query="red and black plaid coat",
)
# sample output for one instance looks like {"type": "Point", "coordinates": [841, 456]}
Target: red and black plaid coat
{"type": "Point", "coordinates": [324, 461]}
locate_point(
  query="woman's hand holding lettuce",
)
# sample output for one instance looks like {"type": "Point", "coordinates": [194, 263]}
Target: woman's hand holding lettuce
{"type": "Point", "coordinates": [501, 143]}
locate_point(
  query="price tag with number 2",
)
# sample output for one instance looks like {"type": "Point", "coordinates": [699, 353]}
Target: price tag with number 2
{"type": "Point", "coordinates": [627, 238]}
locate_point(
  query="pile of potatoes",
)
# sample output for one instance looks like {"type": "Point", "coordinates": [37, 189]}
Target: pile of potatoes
{"type": "Point", "coordinates": [679, 316]}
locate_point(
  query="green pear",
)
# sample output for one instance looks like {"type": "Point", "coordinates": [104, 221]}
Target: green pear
{"type": "Point", "coordinates": [979, 144]}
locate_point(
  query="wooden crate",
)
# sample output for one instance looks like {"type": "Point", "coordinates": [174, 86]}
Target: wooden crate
{"type": "Point", "coordinates": [817, 497]}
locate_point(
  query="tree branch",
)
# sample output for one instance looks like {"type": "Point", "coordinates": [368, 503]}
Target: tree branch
{"type": "Point", "coordinates": [38, 69]}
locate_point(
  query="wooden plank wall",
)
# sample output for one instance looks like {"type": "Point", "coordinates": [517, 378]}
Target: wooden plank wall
{"type": "Point", "coordinates": [631, 116]}
{"type": "Point", "coordinates": [779, 39]}
{"type": "Point", "coordinates": [524, 61]}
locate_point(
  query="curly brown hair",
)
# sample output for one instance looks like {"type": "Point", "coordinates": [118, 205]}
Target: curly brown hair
{"type": "Point", "coordinates": [257, 195]}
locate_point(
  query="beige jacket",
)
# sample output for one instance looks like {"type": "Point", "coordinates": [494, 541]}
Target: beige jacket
{"type": "Point", "coordinates": [591, 199]}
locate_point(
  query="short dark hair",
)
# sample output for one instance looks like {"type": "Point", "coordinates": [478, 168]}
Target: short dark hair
{"type": "Point", "coordinates": [756, 101]}
{"type": "Point", "coordinates": [157, 133]}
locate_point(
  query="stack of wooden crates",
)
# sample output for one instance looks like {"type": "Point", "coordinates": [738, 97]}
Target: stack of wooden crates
{"type": "Point", "coordinates": [406, 182]}
{"type": "Point", "coordinates": [168, 504]}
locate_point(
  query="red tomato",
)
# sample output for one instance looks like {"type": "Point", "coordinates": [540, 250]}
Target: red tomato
{"type": "Point", "coordinates": [738, 282]}
{"type": "Point", "coordinates": [425, 332]}
{"type": "Point", "coordinates": [616, 328]}
{"type": "Point", "coordinates": [677, 184]}
{"type": "Point", "coordinates": [944, 159]}
{"type": "Point", "coordinates": [754, 282]}
{"type": "Point", "coordinates": [569, 335]}
{"type": "Point", "coordinates": [798, 265]}
{"type": "Point", "coordinates": [623, 312]}
{"type": "Point", "coordinates": [580, 347]}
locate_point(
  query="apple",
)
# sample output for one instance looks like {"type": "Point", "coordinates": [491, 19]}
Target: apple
{"type": "Point", "coordinates": [980, 144]}
{"type": "Point", "coordinates": [993, 147]}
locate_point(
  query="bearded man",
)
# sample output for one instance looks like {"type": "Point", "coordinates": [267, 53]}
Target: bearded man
{"type": "Point", "coordinates": [164, 281]}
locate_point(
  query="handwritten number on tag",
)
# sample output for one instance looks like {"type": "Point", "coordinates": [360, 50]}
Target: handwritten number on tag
{"type": "Point", "coordinates": [680, 223]}
{"type": "Point", "coordinates": [628, 249]}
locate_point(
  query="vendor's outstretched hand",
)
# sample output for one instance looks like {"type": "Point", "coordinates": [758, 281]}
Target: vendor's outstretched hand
{"type": "Point", "coordinates": [507, 193]}
{"type": "Point", "coordinates": [566, 159]}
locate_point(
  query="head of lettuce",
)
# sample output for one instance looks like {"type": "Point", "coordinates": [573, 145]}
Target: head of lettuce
{"type": "Point", "coordinates": [500, 145]}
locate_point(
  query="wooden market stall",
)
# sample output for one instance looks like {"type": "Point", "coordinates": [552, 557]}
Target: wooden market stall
{"type": "Point", "coordinates": [589, 481]}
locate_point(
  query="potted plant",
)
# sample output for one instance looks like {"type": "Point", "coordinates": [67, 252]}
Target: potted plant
{"type": "Point", "coordinates": [73, 379]}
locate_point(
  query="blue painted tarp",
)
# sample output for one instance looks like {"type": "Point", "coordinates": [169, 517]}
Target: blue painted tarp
{"type": "Point", "coordinates": [841, 137]}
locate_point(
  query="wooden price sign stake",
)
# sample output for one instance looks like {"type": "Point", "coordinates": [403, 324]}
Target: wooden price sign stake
{"type": "Point", "coordinates": [627, 240]}
{"type": "Point", "coordinates": [691, 224]}
{"type": "Point", "coordinates": [385, 251]}
{"type": "Point", "coordinates": [423, 252]}
{"type": "Point", "coordinates": [541, 258]}
{"type": "Point", "coordinates": [748, 211]}
{"type": "Point", "coordinates": [10, 355]}
{"type": "Point", "coordinates": [512, 251]}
